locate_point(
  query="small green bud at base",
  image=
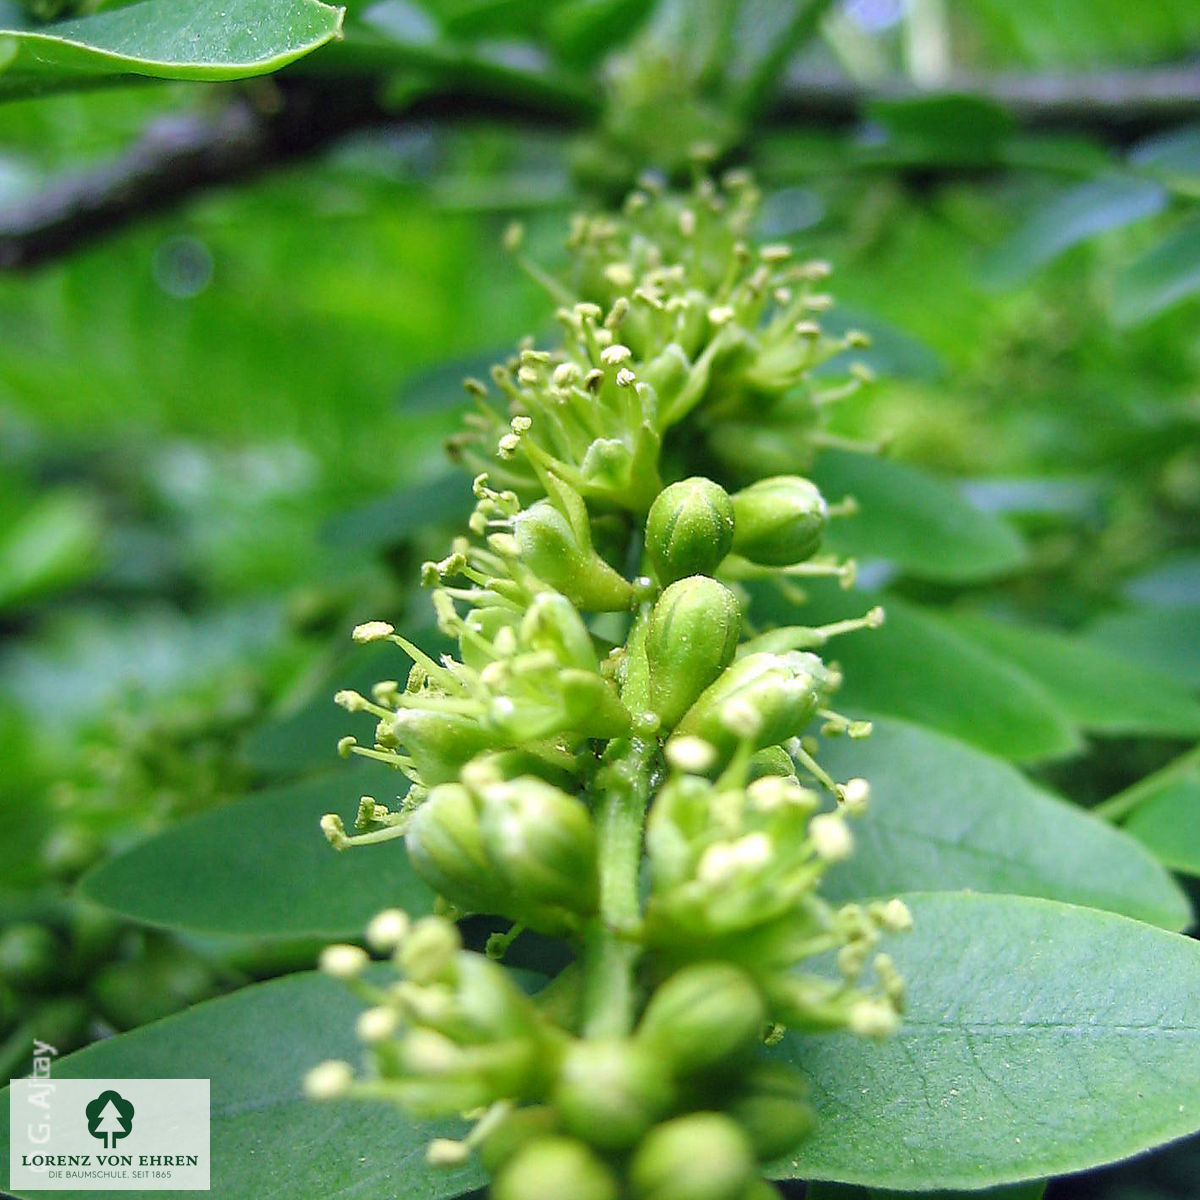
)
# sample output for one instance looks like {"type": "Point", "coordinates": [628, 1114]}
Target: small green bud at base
{"type": "Point", "coordinates": [693, 635]}
{"type": "Point", "coordinates": [549, 547]}
{"type": "Point", "coordinates": [445, 844]}
{"type": "Point", "coordinates": [611, 1090]}
{"type": "Point", "coordinates": [555, 1168]}
{"type": "Point", "coordinates": [763, 698]}
{"type": "Point", "coordinates": [690, 529]}
{"type": "Point", "coordinates": [771, 1109]}
{"type": "Point", "coordinates": [703, 1016]}
{"type": "Point", "coordinates": [514, 1131]}
{"type": "Point", "coordinates": [703, 1156]}
{"type": "Point", "coordinates": [543, 842]}
{"type": "Point", "coordinates": [779, 521]}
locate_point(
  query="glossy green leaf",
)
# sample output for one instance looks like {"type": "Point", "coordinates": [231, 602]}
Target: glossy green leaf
{"type": "Point", "coordinates": [844, 1191]}
{"type": "Point", "coordinates": [262, 867]}
{"type": "Point", "coordinates": [165, 39]}
{"type": "Point", "coordinates": [945, 817]}
{"type": "Point", "coordinates": [1168, 822]}
{"type": "Point", "coordinates": [928, 528]}
{"type": "Point", "coordinates": [266, 1138]}
{"type": "Point", "coordinates": [1163, 276]}
{"type": "Point", "coordinates": [1099, 689]}
{"type": "Point", "coordinates": [1169, 641]}
{"type": "Point", "coordinates": [1072, 217]}
{"type": "Point", "coordinates": [917, 668]}
{"type": "Point", "coordinates": [1038, 1039]}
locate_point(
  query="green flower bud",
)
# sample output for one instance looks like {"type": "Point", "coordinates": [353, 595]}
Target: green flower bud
{"type": "Point", "coordinates": [440, 743]}
{"type": "Point", "coordinates": [611, 1090]}
{"type": "Point", "coordinates": [772, 1110]}
{"type": "Point", "coordinates": [779, 521]}
{"type": "Point", "coordinates": [553, 551]}
{"type": "Point", "coordinates": [429, 952]}
{"type": "Point", "coordinates": [543, 842]}
{"type": "Point", "coordinates": [693, 634]}
{"type": "Point", "coordinates": [486, 623]}
{"type": "Point", "coordinates": [552, 623]}
{"type": "Point", "coordinates": [773, 760]}
{"type": "Point", "coordinates": [763, 698]}
{"type": "Point", "coordinates": [555, 1167]}
{"type": "Point", "coordinates": [445, 844]}
{"type": "Point", "coordinates": [703, 1156]}
{"type": "Point", "coordinates": [516, 1130]}
{"type": "Point", "coordinates": [703, 1016]}
{"type": "Point", "coordinates": [30, 956]}
{"type": "Point", "coordinates": [690, 529]}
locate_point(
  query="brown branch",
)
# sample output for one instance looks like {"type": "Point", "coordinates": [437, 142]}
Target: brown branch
{"type": "Point", "coordinates": [179, 156]}
{"type": "Point", "coordinates": [1110, 105]}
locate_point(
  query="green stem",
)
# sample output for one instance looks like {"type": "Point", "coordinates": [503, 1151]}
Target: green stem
{"type": "Point", "coordinates": [1117, 807]}
{"type": "Point", "coordinates": [622, 792]}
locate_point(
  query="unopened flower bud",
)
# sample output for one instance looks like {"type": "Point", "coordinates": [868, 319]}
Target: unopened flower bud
{"type": "Point", "coordinates": [551, 549]}
{"type": "Point", "coordinates": [427, 955]}
{"type": "Point", "coordinates": [445, 844]}
{"type": "Point", "coordinates": [771, 1109]}
{"type": "Point", "coordinates": [831, 837]}
{"type": "Point", "coordinates": [543, 842]}
{"type": "Point", "coordinates": [552, 623]}
{"type": "Point", "coordinates": [702, 1156]}
{"type": "Point", "coordinates": [690, 529]}
{"type": "Point", "coordinates": [702, 1016]}
{"type": "Point", "coordinates": [514, 1131]}
{"type": "Point", "coordinates": [343, 962]}
{"type": "Point", "coordinates": [439, 743]}
{"type": "Point", "coordinates": [387, 929]}
{"type": "Point", "coordinates": [692, 638]}
{"type": "Point", "coordinates": [611, 1090]}
{"type": "Point", "coordinates": [556, 1167]}
{"type": "Point", "coordinates": [779, 521]}
{"type": "Point", "coordinates": [329, 1080]}
{"type": "Point", "coordinates": [784, 690]}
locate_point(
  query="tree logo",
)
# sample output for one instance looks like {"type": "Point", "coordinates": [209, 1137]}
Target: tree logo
{"type": "Point", "coordinates": [109, 1118]}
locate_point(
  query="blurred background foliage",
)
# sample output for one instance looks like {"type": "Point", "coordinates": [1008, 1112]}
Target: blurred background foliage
{"type": "Point", "coordinates": [221, 418]}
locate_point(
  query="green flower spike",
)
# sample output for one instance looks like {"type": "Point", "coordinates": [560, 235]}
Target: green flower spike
{"type": "Point", "coordinates": [607, 758]}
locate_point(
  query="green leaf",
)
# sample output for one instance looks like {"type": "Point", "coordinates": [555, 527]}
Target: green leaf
{"type": "Point", "coordinates": [1072, 217]}
{"type": "Point", "coordinates": [1163, 276]}
{"type": "Point", "coordinates": [1168, 821]}
{"type": "Point", "coordinates": [926, 527]}
{"type": "Point", "coordinates": [1038, 1038]}
{"type": "Point", "coordinates": [942, 129]}
{"type": "Point", "coordinates": [843, 1191]}
{"type": "Point", "coordinates": [1099, 689]}
{"type": "Point", "coordinates": [945, 817]}
{"type": "Point", "coordinates": [261, 866]}
{"type": "Point", "coordinates": [165, 39]}
{"type": "Point", "coordinates": [50, 546]}
{"type": "Point", "coordinates": [1169, 641]}
{"type": "Point", "coordinates": [917, 668]}
{"type": "Point", "coordinates": [402, 516]}
{"type": "Point", "coordinates": [267, 1139]}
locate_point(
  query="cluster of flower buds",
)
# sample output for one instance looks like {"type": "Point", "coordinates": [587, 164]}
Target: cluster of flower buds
{"type": "Point", "coordinates": [614, 758]}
